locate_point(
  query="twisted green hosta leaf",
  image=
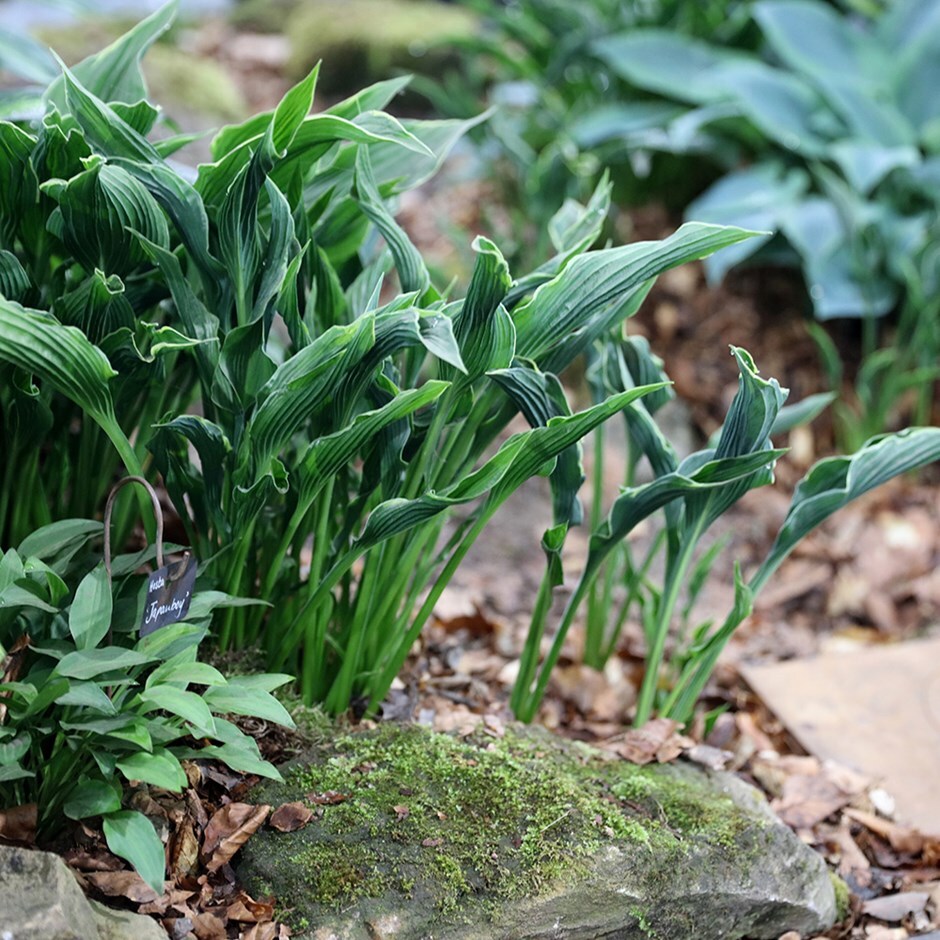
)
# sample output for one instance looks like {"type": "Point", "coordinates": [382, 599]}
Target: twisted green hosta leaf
{"type": "Point", "coordinates": [592, 281]}
{"type": "Point", "coordinates": [62, 357]}
{"type": "Point", "coordinates": [114, 73]}
{"type": "Point", "coordinates": [836, 481]}
{"type": "Point", "coordinates": [14, 281]}
{"type": "Point", "coordinates": [300, 386]}
{"type": "Point", "coordinates": [746, 430]}
{"type": "Point", "coordinates": [483, 328]}
{"type": "Point", "coordinates": [639, 502]}
{"type": "Point", "coordinates": [540, 397]}
{"type": "Point", "coordinates": [412, 272]}
{"type": "Point", "coordinates": [326, 456]}
{"type": "Point", "coordinates": [97, 306]}
{"type": "Point", "coordinates": [98, 207]}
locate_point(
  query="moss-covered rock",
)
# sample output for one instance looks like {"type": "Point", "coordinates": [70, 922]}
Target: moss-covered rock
{"type": "Point", "coordinates": [527, 836]}
{"type": "Point", "coordinates": [361, 41]}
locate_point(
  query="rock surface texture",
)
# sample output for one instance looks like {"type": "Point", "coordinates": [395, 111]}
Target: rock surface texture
{"type": "Point", "coordinates": [41, 900]}
{"type": "Point", "coordinates": [421, 835]}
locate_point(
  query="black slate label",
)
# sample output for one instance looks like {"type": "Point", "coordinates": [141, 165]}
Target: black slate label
{"type": "Point", "coordinates": [168, 595]}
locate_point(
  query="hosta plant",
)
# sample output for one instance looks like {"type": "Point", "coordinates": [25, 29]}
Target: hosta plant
{"type": "Point", "coordinates": [264, 335]}
{"type": "Point", "coordinates": [683, 500]}
{"type": "Point", "coordinates": [834, 150]}
{"type": "Point", "coordinates": [90, 709]}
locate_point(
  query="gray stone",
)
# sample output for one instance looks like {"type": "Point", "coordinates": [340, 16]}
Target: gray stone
{"type": "Point", "coordinates": [423, 835]}
{"type": "Point", "coordinates": [125, 925]}
{"type": "Point", "coordinates": [41, 900]}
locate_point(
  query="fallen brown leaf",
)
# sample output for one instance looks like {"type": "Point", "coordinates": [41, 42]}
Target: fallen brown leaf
{"type": "Point", "coordinates": [643, 745]}
{"type": "Point", "coordinates": [246, 909]}
{"type": "Point", "coordinates": [402, 811]}
{"type": "Point", "coordinates": [123, 884]}
{"type": "Point", "coordinates": [18, 823]}
{"type": "Point", "coordinates": [228, 830]}
{"type": "Point", "coordinates": [902, 838]}
{"type": "Point", "coordinates": [289, 817]}
{"type": "Point", "coordinates": [208, 927]}
{"type": "Point", "coordinates": [808, 800]}
{"type": "Point", "coordinates": [184, 852]}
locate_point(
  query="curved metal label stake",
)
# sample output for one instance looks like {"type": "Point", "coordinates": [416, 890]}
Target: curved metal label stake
{"type": "Point", "coordinates": [170, 587]}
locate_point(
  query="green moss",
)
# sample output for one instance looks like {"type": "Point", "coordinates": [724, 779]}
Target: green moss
{"type": "Point", "coordinates": [460, 823]}
{"type": "Point", "coordinates": [843, 896]}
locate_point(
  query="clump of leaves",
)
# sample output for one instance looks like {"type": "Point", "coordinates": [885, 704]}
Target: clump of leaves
{"type": "Point", "coordinates": [835, 153]}
{"type": "Point", "coordinates": [686, 498]}
{"type": "Point", "coordinates": [89, 709]}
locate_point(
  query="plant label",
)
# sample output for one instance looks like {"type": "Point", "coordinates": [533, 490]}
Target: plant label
{"type": "Point", "coordinates": [168, 595]}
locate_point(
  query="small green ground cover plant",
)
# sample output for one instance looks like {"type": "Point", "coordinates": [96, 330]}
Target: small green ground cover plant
{"type": "Point", "coordinates": [90, 709]}
{"type": "Point", "coordinates": [264, 335]}
{"type": "Point", "coordinates": [828, 139]}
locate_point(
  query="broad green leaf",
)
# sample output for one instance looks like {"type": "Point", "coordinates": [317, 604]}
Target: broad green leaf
{"type": "Point", "coordinates": [159, 769]}
{"type": "Point", "coordinates": [187, 705]}
{"type": "Point", "coordinates": [592, 281]}
{"type": "Point", "coordinates": [237, 758]}
{"type": "Point", "coordinates": [92, 798]}
{"type": "Point", "coordinates": [11, 751]}
{"type": "Point", "coordinates": [24, 57]}
{"type": "Point", "coordinates": [186, 673]}
{"type": "Point", "coordinates": [49, 540]}
{"type": "Point", "coordinates": [834, 482]}
{"type": "Point", "coordinates": [89, 663]}
{"type": "Point", "coordinates": [131, 836]}
{"type": "Point", "coordinates": [88, 695]}
{"type": "Point", "coordinates": [666, 62]}
{"type": "Point", "coordinates": [90, 613]}
{"type": "Point", "coordinates": [239, 698]}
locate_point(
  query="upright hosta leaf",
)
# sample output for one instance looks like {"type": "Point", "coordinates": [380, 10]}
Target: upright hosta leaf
{"type": "Point", "coordinates": [301, 385]}
{"type": "Point", "coordinates": [90, 613]}
{"type": "Point", "coordinates": [483, 328]}
{"type": "Point", "coordinates": [593, 280]}
{"type": "Point", "coordinates": [19, 187]}
{"type": "Point", "coordinates": [63, 357]}
{"type": "Point", "coordinates": [326, 456]}
{"type": "Point", "coordinates": [746, 430]}
{"type": "Point", "coordinates": [412, 272]}
{"type": "Point", "coordinates": [98, 207]}
{"type": "Point", "coordinates": [836, 481]}
{"type": "Point", "coordinates": [14, 281]}
{"type": "Point", "coordinates": [540, 397]}
{"type": "Point", "coordinates": [97, 306]}
{"type": "Point", "coordinates": [131, 836]}
{"type": "Point", "coordinates": [114, 73]}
